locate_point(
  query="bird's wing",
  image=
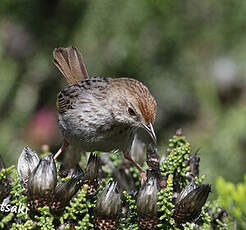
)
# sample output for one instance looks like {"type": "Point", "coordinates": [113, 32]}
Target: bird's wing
{"type": "Point", "coordinates": [81, 93]}
{"type": "Point", "coordinates": [70, 62]}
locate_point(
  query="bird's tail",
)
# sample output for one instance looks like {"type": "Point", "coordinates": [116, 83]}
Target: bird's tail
{"type": "Point", "coordinates": [70, 62]}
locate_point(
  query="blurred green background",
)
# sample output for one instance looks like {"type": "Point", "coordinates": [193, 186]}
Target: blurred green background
{"type": "Point", "coordinates": [191, 54]}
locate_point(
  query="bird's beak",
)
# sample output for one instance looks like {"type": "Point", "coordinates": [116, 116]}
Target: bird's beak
{"type": "Point", "coordinates": [150, 130]}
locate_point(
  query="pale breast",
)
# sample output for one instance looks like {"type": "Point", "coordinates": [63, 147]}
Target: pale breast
{"type": "Point", "coordinates": [95, 134]}
{"type": "Point", "coordinates": [86, 117]}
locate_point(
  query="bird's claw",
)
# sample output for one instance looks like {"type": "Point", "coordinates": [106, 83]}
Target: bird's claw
{"type": "Point", "coordinates": [143, 176]}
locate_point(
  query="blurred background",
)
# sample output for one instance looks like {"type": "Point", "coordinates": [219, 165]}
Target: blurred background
{"type": "Point", "coordinates": [191, 54]}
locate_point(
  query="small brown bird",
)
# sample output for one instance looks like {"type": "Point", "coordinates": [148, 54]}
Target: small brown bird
{"type": "Point", "coordinates": [100, 114]}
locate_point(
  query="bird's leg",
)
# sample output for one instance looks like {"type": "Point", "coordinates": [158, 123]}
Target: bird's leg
{"type": "Point", "coordinates": [61, 150]}
{"type": "Point", "coordinates": [143, 174]}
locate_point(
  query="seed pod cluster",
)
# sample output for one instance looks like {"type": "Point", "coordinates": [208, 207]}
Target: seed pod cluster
{"type": "Point", "coordinates": [169, 198]}
{"type": "Point", "coordinates": [39, 178]}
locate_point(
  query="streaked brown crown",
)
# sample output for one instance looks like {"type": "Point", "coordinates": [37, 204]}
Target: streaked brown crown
{"type": "Point", "coordinates": [139, 95]}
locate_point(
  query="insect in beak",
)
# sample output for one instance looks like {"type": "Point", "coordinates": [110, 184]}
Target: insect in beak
{"type": "Point", "coordinates": [150, 130]}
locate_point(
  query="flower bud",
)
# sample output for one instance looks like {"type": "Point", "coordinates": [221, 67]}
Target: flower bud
{"type": "Point", "coordinates": [188, 189]}
{"type": "Point", "coordinates": [153, 159]}
{"type": "Point", "coordinates": [92, 178]}
{"type": "Point", "coordinates": [78, 172]}
{"type": "Point", "coordinates": [109, 201]}
{"type": "Point", "coordinates": [66, 190]}
{"type": "Point", "coordinates": [190, 201]}
{"type": "Point", "coordinates": [147, 204]}
{"type": "Point", "coordinates": [27, 161]}
{"type": "Point", "coordinates": [194, 165]}
{"type": "Point", "coordinates": [147, 198]}
{"type": "Point", "coordinates": [42, 182]}
{"type": "Point", "coordinates": [92, 167]}
{"type": "Point", "coordinates": [108, 208]}
{"type": "Point", "coordinates": [193, 162]}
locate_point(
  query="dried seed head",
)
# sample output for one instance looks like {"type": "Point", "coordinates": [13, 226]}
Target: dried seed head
{"type": "Point", "coordinates": [147, 198]}
{"type": "Point", "coordinates": [188, 189]}
{"type": "Point", "coordinates": [190, 201]}
{"type": "Point", "coordinates": [42, 182]}
{"type": "Point", "coordinates": [92, 178]}
{"type": "Point", "coordinates": [66, 190]}
{"type": "Point", "coordinates": [194, 162]}
{"type": "Point", "coordinates": [102, 223]}
{"type": "Point", "coordinates": [149, 222]}
{"type": "Point", "coordinates": [27, 161]}
{"type": "Point", "coordinates": [108, 208]}
{"type": "Point", "coordinates": [153, 159]}
{"type": "Point", "coordinates": [109, 202]}
{"type": "Point", "coordinates": [92, 167]}
{"type": "Point", "coordinates": [147, 202]}
{"type": "Point", "coordinates": [78, 172]}
{"type": "Point", "coordinates": [156, 173]}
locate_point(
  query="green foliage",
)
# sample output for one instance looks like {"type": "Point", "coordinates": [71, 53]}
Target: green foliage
{"type": "Point", "coordinates": [215, 209]}
{"type": "Point", "coordinates": [2, 174]}
{"type": "Point", "coordinates": [174, 166]}
{"type": "Point", "coordinates": [45, 219]}
{"type": "Point", "coordinates": [80, 213]}
{"type": "Point", "coordinates": [77, 205]}
{"type": "Point", "coordinates": [28, 225]}
{"type": "Point", "coordinates": [178, 153]}
{"type": "Point", "coordinates": [84, 224]}
{"type": "Point", "coordinates": [174, 43]}
{"type": "Point", "coordinates": [6, 220]}
{"type": "Point", "coordinates": [205, 219]}
{"type": "Point", "coordinates": [232, 197]}
{"type": "Point", "coordinates": [200, 179]}
{"type": "Point", "coordinates": [115, 158]}
{"type": "Point", "coordinates": [79, 209]}
{"type": "Point", "coordinates": [167, 41]}
{"type": "Point", "coordinates": [130, 222]}
{"type": "Point", "coordinates": [18, 197]}
{"type": "Point", "coordinates": [6, 171]}
{"type": "Point", "coordinates": [76, 211]}
{"type": "Point", "coordinates": [166, 207]}
{"type": "Point", "coordinates": [136, 176]}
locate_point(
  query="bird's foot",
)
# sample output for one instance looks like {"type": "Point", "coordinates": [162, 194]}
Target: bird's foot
{"type": "Point", "coordinates": [63, 172]}
{"type": "Point", "coordinates": [61, 150]}
{"type": "Point", "coordinates": [163, 183]}
{"type": "Point", "coordinates": [143, 176]}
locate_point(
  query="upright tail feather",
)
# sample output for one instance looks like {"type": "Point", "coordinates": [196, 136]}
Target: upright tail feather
{"type": "Point", "coordinates": [70, 62]}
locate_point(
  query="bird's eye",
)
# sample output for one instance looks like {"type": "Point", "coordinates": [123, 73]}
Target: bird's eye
{"type": "Point", "coordinates": [131, 112]}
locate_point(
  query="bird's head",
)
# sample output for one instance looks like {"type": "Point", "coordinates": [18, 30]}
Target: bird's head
{"type": "Point", "coordinates": [140, 106]}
